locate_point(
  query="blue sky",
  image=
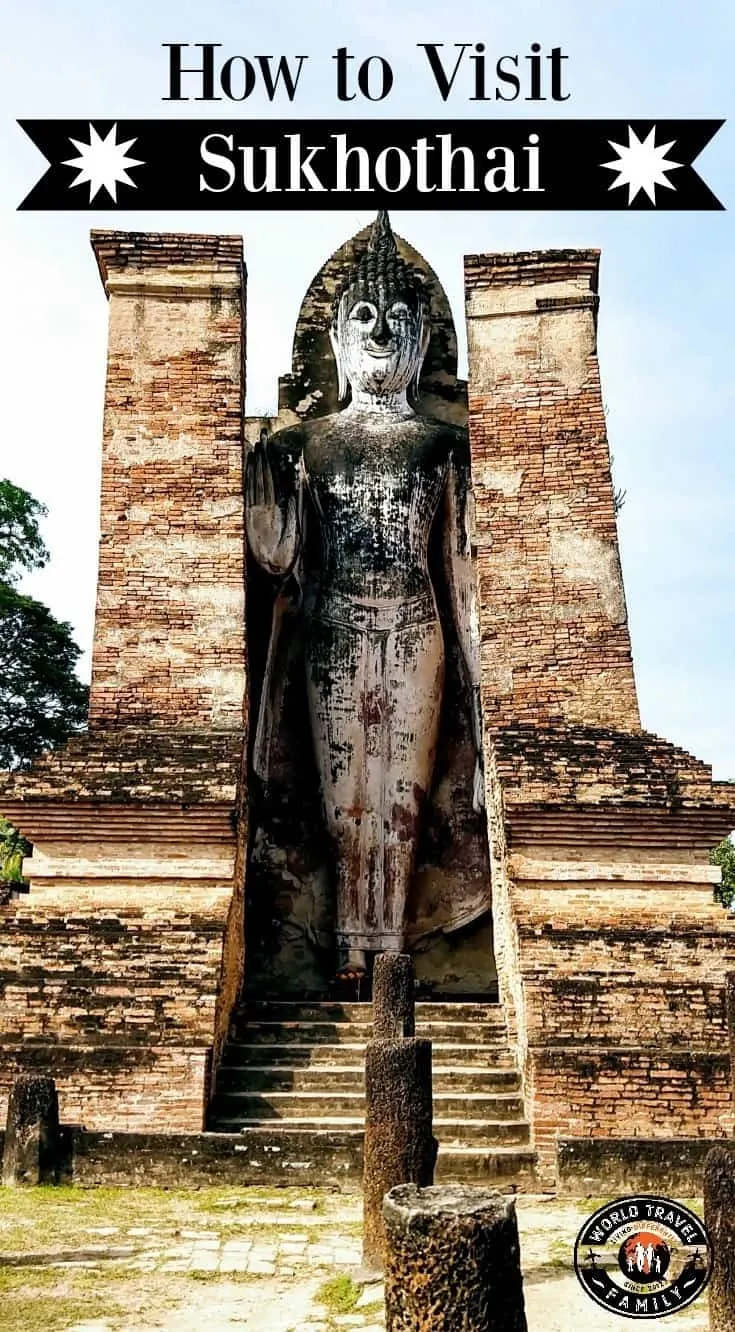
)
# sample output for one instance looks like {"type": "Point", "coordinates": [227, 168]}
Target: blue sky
{"type": "Point", "coordinates": [666, 342]}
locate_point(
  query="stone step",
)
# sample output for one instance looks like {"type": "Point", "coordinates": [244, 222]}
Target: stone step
{"type": "Point", "coordinates": [511, 1166]}
{"type": "Point", "coordinates": [281, 1155]}
{"type": "Point", "coordinates": [340, 1033]}
{"type": "Point", "coordinates": [273, 1010]}
{"type": "Point", "coordinates": [445, 1055]}
{"type": "Point", "coordinates": [247, 1104]}
{"type": "Point", "coordinates": [291, 1086]}
{"type": "Point", "coordinates": [278, 1154]}
{"type": "Point", "coordinates": [448, 1132]}
{"type": "Point", "coordinates": [326, 1077]}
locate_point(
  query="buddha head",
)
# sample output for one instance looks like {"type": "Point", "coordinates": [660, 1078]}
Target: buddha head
{"type": "Point", "coordinates": [380, 327]}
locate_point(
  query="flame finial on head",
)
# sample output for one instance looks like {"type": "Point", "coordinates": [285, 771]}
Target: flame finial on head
{"type": "Point", "coordinates": [381, 235]}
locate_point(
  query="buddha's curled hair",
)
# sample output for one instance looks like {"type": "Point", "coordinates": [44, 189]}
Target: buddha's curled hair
{"type": "Point", "coordinates": [380, 271]}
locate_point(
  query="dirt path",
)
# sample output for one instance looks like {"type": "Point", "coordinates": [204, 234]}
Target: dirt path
{"type": "Point", "coordinates": [258, 1260]}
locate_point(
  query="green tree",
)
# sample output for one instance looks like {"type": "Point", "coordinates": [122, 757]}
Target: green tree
{"type": "Point", "coordinates": [21, 544]}
{"type": "Point", "coordinates": [13, 848]}
{"type": "Point", "coordinates": [41, 699]}
{"type": "Point", "coordinates": [724, 856]}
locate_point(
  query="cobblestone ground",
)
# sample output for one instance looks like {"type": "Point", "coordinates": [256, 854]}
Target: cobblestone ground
{"type": "Point", "coordinates": [219, 1260]}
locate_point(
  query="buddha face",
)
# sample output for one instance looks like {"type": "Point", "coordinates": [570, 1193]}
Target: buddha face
{"type": "Point", "coordinates": [379, 344]}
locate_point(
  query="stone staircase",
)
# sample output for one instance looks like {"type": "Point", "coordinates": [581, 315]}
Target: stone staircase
{"type": "Point", "coordinates": [298, 1068]}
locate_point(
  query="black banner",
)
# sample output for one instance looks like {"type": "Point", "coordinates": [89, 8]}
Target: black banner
{"type": "Point", "coordinates": [321, 164]}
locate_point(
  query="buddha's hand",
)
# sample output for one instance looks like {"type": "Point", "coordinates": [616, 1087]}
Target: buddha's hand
{"type": "Point", "coordinates": [478, 780]}
{"type": "Point", "coordinates": [271, 521]}
{"type": "Point", "coordinates": [478, 786]}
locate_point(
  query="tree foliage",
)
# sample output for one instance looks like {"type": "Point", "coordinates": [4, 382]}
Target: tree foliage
{"type": "Point", "coordinates": [21, 545]}
{"type": "Point", "coordinates": [13, 848]}
{"type": "Point", "coordinates": [724, 856]}
{"type": "Point", "coordinates": [41, 699]}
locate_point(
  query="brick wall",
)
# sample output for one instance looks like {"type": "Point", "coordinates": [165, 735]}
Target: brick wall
{"type": "Point", "coordinates": [169, 643]}
{"type": "Point", "coordinates": [118, 1088]}
{"type": "Point", "coordinates": [111, 986]}
{"type": "Point", "coordinates": [506, 942]}
{"type": "Point", "coordinates": [555, 642]}
{"type": "Point", "coordinates": [643, 1093]}
{"type": "Point", "coordinates": [120, 967]}
{"type": "Point", "coordinates": [623, 986]}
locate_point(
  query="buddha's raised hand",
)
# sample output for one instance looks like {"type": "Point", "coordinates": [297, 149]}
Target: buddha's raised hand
{"type": "Point", "coordinates": [478, 786]}
{"type": "Point", "coordinates": [270, 518]}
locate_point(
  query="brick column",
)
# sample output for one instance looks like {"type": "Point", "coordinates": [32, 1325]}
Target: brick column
{"type": "Point", "coordinates": [169, 642]}
{"type": "Point", "coordinates": [611, 953]}
{"type": "Point", "coordinates": [555, 639]}
{"type": "Point", "coordinates": [139, 826]}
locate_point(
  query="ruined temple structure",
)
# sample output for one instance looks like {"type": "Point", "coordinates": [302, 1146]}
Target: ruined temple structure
{"type": "Point", "coordinates": [193, 952]}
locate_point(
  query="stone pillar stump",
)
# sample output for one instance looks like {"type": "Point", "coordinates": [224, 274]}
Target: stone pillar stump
{"type": "Point", "coordinates": [452, 1261]}
{"type": "Point", "coordinates": [719, 1218]}
{"type": "Point", "coordinates": [393, 997]}
{"type": "Point", "coordinates": [399, 1144]}
{"type": "Point", "coordinates": [30, 1155]}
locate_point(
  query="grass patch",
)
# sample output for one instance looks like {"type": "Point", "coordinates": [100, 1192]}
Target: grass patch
{"type": "Point", "coordinates": [53, 1299]}
{"type": "Point", "coordinates": [49, 1218]}
{"type": "Point", "coordinates": [57, 1222]}
{"type": "Point", "coordinates": [57, 1315]}
{"type": "Point", "coordinates": [79, 1281]}
{"type": "Point", "coordinates": [339, 1295]}
{"type": "Point", "coordinates": [25, 1280]}
{"type": "Point", "coordinates": [561, 1252]}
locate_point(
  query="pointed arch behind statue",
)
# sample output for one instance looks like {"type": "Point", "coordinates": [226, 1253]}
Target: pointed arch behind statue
{"type": "Point", "coordinates": [310, 389]}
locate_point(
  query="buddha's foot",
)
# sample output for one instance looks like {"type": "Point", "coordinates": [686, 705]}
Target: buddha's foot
{"type": "Point", "coordinates": [354, 966]}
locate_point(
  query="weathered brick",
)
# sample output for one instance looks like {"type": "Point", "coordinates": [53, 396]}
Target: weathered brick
{"type": "Point", "coordinates": [169, 640]}
{"type": "Point", "coordinates": [120, 968]}
{"type": "Point", "coordinates": [555, 641]}
{"type": "Point", "coordinates": [611, 953]}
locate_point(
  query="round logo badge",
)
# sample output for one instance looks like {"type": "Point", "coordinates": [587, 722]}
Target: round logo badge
{"type": "Point", "coordinates": [643, 1256]}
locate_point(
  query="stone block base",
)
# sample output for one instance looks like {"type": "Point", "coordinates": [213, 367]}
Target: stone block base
{"type": "Point", "coordinates": [193, 1160]}
{"type": "Point", "coordinates": [612, 1167]}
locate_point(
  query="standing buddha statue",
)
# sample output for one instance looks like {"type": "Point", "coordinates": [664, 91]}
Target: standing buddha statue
{"type": "Point", "coordinates": [373, 478]}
